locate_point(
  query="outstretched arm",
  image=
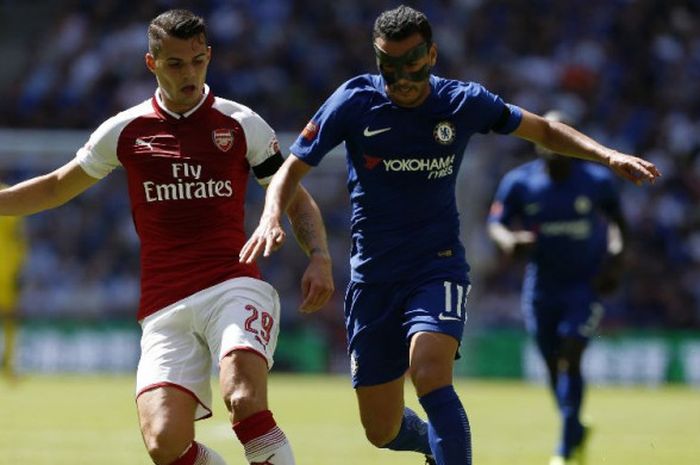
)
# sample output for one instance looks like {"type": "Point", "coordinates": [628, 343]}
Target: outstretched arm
{"type": "Point", "coordinates": [46, 191]}
{"type": "Point", "coordinates": [565, 140]}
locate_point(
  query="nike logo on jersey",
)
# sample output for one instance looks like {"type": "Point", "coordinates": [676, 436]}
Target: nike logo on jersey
{"type": "Point", "coordinates": [444, 317]}
{"type": "Point", "coordinates": [369, 133]}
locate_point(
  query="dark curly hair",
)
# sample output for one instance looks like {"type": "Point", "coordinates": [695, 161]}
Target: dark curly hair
{"type": "Point", "coordinates": [182, 24]}
{"type": "Point", "coordinates": [400, 23]}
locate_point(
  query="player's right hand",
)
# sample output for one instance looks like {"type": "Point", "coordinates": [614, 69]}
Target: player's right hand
{"type": "Point", "coordinates": [267, 237]}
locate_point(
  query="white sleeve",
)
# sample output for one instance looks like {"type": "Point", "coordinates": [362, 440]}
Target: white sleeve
{"type": "Point", "coordinates": [98, 157]}
{"type": "Point", "coordinates": [261, 141]}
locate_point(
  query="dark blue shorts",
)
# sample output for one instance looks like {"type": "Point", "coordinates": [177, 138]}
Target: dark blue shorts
{"type": "Point", "coordinates": [568, 312]}
{"type": "Point", "coordinates": [381, 318]}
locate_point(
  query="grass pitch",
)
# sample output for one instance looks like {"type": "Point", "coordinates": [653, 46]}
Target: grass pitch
{"type": "Point", "coordinates": [78, 420]}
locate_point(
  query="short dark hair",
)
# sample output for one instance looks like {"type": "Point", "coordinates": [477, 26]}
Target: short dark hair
{"type": "Point", "coordinates": [182, 24]}
{"type": "Point", "coordinates": [400, 23]}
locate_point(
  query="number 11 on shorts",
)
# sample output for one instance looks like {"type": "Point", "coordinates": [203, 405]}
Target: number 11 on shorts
{"type": "Point", "coordinates": [458, 294]}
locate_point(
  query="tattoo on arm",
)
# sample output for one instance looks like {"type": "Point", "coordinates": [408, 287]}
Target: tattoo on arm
{"type": "Point", "coordinates": [309, 232]}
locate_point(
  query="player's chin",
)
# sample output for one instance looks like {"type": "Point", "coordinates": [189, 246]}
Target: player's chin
{"type": "Point", "coordinates": [406, 99]}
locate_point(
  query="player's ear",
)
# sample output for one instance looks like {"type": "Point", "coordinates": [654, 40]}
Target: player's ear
{"type": "Point", "coordinates": [432, 53]}
{"type": "Point", "coordinates": [150, 62]}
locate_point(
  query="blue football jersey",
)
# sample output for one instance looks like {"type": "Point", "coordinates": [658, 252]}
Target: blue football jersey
{"type": "Point", "coordinates": [568, 218]}
{"type": "Point", "coordinates": [402, 169]}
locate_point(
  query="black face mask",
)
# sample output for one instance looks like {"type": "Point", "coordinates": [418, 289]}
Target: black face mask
{"type": "Point", "coordinates": [399, 63]}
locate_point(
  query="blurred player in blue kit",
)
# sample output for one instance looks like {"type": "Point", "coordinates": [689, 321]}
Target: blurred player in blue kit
{"type": "Point", "coordinates": [565, 215]}
{"type": "Point", "coordinates": [405, 132]}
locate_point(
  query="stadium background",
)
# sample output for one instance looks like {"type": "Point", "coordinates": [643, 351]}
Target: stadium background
{"type": "Point", "coordinates": [627, 70]}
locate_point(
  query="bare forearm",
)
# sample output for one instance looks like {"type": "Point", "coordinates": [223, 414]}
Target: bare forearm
{"type": "Point", "coordinates": [565, 140]}
{"type": "Point", "coordinates": [31, 196]}
{"type": "Point", "coordinates": [279, 196]}
{"type": "Point", "coordinates": [307, 224]}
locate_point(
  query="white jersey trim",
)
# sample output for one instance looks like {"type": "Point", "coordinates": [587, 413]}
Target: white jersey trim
{"type": "Point", "coordinates": [98, 157]}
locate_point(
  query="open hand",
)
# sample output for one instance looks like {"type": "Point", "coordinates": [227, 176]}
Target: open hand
{"type": "Point", "coordinates": [633, 168]}
{"type": "Point", "coordinates": [267, 237]}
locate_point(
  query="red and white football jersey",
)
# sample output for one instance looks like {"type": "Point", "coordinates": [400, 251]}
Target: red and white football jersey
{"type": "Point", "coordinates": [187, 177]}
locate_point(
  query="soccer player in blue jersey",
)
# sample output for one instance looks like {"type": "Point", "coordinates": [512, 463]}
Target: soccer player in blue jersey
{"type": "Point", "coordinates": [565, 215]}
{"type": "Point", "coordinates": [405, 132]}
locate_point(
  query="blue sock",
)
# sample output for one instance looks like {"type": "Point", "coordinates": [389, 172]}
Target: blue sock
{"type": "Point", "coordinates": [413, 434]}
{"type": "Point", "coordinates": [569, 397]}
{"type": "Point", "coordinates": [448, 427]}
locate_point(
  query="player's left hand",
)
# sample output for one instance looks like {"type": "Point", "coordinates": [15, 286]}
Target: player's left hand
{"type": "Point", "coordinates": [267, 237]}
{"type": "Point", "coordinates": [317, 283]}
{"type": "Point", "coordinates": [633, 168]}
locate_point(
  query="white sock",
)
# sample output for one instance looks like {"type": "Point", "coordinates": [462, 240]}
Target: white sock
{"type": "Point", "coordinates": [207, 456]}
{"type": "Point", "coordinates": [272, 448]}
{"type": "Point", "coordinates": [199, 454]}
{"type": "Point", "coordinates": [263, 441]}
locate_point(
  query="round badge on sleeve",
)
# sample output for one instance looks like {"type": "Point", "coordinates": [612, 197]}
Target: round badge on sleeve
{"type": "Point", "coordinates": [444, 132]}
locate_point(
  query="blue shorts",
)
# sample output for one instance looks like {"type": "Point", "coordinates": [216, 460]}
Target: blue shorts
{"type": "Point", "coordinates": [381, 318]}
{"type": "Point", "coordinates": [562, 313]}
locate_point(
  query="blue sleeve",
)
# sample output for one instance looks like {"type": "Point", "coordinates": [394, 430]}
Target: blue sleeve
{"type": "Point", "coordinates": [326, 129]}
{"type": "Point", "coordinates": [507, 203]}
{"type": "Point", "coordinates": [495, 114]}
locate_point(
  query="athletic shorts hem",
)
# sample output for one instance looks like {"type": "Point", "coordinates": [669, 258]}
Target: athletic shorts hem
{"type": "Point", "coordinates": [208, 412]}
{"type": "Point", "coordinates": [246, 349]}
{"type": "Point", "coordinates": [430, 328]}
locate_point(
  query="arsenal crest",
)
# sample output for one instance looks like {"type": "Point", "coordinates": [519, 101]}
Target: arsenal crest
{"type": "Point", "coordinates": [223, 139]}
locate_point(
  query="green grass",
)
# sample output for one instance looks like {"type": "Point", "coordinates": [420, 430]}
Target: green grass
{"type": "Point", "coordinates": [79, 420]}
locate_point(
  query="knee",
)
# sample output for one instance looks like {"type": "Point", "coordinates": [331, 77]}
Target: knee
{"type": "Point", "coordinates": [244, 401]}
{"type": "Point", "coordinates": [165, 445]}
{"type": "Point", "coordinates": [427, 378]}
{"type": "Point", "coordinates": [379, 434]}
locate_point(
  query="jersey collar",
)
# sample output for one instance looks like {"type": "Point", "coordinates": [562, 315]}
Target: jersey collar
{"type": "Point", "coordinates": [162, 107]}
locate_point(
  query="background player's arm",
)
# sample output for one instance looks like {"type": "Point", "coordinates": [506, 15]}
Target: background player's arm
{"type": "Point", "coordinates": [611, 270]}
{"type": "Point", "coordinates": [46, 191]}
{"type": "Point", "coordinates": [565, 140]}
{"type": "Point", "coordinates": [511, 242]}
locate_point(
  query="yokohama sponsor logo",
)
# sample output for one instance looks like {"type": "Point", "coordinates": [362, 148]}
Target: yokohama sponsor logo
{"type": "Point", "coordinates": [186, 186]}
{"type": "Point", "coordinates": [436, 167]}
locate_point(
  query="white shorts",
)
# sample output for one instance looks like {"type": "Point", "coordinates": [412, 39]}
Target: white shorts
{"type": "Point", "coordinates": [180, 341]}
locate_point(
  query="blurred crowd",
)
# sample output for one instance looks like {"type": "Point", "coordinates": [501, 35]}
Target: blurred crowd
{"type": "Point", "coordinates": [627, 70]}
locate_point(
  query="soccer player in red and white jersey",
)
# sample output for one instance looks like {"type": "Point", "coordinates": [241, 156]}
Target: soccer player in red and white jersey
{"type": "Point", "coordinates": [187, 155]}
